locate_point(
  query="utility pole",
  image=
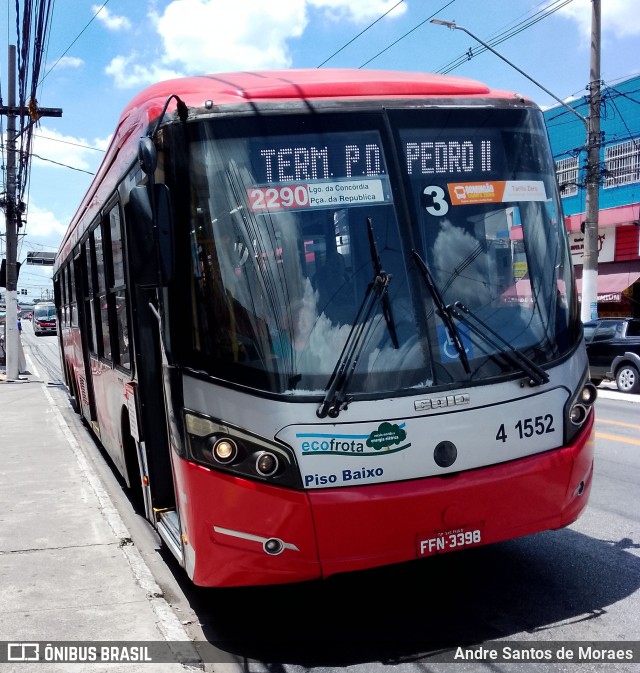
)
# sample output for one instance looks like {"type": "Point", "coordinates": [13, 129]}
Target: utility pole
{"type": "Point", "coordinates": [12, 337]}
{"type": "Point", "coordinates": [13, 346]}
{"type": "Point", "coordinates": [589, 308]}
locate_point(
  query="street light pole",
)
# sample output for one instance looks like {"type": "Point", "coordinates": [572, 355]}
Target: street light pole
{"type": "Point", "coordinates": [589, 307]}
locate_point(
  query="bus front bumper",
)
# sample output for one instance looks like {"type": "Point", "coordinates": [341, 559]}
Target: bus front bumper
{"type": "Point", "coordinates": [228, 523]}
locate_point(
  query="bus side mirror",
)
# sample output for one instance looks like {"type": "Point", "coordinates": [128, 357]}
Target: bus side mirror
{"type": "Point", "coordinates": [145, 237]}
{"type": "Point", "coordinates": [147, 156]}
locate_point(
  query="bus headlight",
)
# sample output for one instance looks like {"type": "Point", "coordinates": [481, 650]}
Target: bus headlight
{"type": "Point", "coordinates": [223, 450]}
{"type": "Point", "coordinates": [267, 464]}
{"type": "Point", "coordinates": [578, 414]}
{"type": "Point", "coordinates": [579, 407]}
{"type": "Point", "coordinates": [588, 394]}
{"type": "Point", "coordinates": [223, 447]}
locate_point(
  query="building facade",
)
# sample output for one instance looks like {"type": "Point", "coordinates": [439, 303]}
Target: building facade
{"type": "Point", "coordinates": [619, 193]}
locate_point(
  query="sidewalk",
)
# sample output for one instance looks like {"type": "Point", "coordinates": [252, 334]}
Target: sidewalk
{"type": "Point", "coordinates": [68, 569]}
{"type": "Point", "coordinates": [608, 389]}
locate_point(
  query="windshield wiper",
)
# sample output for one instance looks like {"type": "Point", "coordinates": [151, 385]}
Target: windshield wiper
{"type": "Point", "coordinates": [443, 312]}
{"type": "Point", "coordinates": [379, 272]}
{"type": "Point", "coordinates": [334, 399]}
{"type": "Point", "coordinates": [536, 374]}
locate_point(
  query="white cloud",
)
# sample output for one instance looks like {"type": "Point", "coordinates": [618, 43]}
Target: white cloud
{"type": "Point", "coordinates": [617, 16]}
{"type": "Point", "coordinates": [51, 149]}
{"type": "Point", "coordinates": [42, 222]}
{"type": "Point", "coordinates": [207, 36]}
{"type": "Point", "coordinates": [109, 20]}
{"type": "Point", "coordinates": [128, 74]}
{"type": "Point", "coordinates": [69, 62]}
{"type": "Point", "coordinates": [359, 11]}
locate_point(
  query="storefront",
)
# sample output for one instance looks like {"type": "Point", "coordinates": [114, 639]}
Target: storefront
{"type": "Point", "coordinates": [618, 259]}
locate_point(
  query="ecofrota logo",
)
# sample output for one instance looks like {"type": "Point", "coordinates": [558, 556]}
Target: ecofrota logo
{"type": "Point", "coordinates": [387, 438]}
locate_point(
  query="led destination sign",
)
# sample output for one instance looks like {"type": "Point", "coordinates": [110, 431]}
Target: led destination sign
{"type": "Point", "coordinates": [302, 158]}
{"type": "Point", "coordinates": [462, 153]}
{"type": "Point", "coordinates": [347, 169]}
{"type": "Point", "coordinates": [448, 157]}
{"type": "Point", "coordinates": [341, 169]}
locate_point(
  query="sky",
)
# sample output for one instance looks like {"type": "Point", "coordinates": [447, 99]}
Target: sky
{"type": "Point", "coordinates": [100, 54]}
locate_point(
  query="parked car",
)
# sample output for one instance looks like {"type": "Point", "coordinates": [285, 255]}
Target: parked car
{"type": "Point", "coordinates": [613, 347]}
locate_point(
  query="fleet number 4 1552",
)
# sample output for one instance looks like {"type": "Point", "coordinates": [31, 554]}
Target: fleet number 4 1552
{"type": "Point", "coordinates": [528, 427]}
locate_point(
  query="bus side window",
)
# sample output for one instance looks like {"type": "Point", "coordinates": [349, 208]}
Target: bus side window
{"type": "Point", "coordinates": [118, 293]}
{"type": "Point", "coordinates": [63, 298]}
{"type": "Point", "coordinates": [73, 321]}
{"type": "Point", "coordinates": [102, 312]}
{"type": "Point", "coordinates": [87, 295]}
{"type": "Point", "coordinates": [93, 307]}
{"type": "Point", "coordinates": [57, 294]}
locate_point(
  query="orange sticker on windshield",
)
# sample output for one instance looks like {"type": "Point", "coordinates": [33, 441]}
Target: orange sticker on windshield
{"type": "Point", "coordinates": [498, 191]}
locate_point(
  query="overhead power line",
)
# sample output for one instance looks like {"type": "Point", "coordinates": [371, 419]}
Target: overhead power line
{"type": "Point", "coordinates": [77, 37]}
{"type": "Point", "coordinates": [505, 35]}
{"type": "Point", "coordinates": [362, 32]}
{"type": "Point", "coordinates": [608, 97]}
{"type": "Point", "coordinates": [68, 142]}
{"type": "Point", "coordinates": [406, 34]}
{"type": "Point", "coordinates": [58, 163]}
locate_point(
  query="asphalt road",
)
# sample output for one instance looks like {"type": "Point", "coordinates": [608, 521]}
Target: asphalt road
{"type": "Point", "coordinates": [568, 586]}
{"type": "Point", "coordinates": [44, 353]}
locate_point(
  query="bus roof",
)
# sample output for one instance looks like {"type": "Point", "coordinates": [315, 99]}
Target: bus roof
{"type": "Point", "coordinates": [224, 89]}
{"type": "Point", "coordinates": [239, 87]}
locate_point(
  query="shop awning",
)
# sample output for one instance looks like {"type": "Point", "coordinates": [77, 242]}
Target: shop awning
{"type": "Point", "coordinates": [613, 279]}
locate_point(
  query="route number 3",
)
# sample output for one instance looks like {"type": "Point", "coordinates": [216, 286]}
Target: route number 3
{"type": "Point", "coordinates": [440, 206]}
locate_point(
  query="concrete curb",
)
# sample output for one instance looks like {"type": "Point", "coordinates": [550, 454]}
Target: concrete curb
{"type": "Point", "coordinates": [167, 623]}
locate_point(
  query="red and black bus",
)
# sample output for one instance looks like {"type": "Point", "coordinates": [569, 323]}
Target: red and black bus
{"type": "Point", "coordinates": [326, 320]}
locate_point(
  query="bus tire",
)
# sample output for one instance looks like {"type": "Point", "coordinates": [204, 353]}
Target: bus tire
{"type": "Point", "coordinates": [73, 391]}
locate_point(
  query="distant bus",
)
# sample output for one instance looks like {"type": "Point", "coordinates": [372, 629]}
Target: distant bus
{"type": "Point", "coordinates": [44, 318]}
{"type": "Point", "coordinates": [326, 320]}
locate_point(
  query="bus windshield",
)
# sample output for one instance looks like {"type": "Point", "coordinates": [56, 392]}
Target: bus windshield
{"type": "Point", "coordinates": [293, 221]}
{"type": "Point", "coordinates": [47, 312]}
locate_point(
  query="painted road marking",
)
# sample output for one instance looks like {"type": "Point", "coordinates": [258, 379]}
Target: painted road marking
{"type": "Point", "coordinates": [617, 438]}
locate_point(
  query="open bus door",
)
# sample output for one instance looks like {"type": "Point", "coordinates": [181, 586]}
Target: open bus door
{"type": "Point", "coordinates": [148, 274]}
{"type": "Point", "coordinates": [153, 431]}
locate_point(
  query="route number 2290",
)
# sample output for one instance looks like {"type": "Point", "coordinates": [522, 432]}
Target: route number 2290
{"type": "Point", "coordinates": [527, 427]}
